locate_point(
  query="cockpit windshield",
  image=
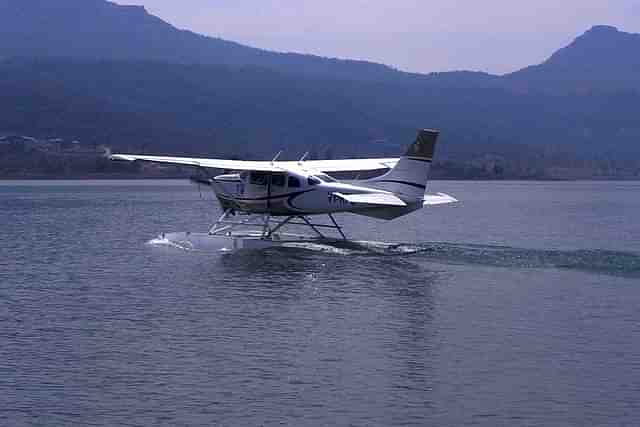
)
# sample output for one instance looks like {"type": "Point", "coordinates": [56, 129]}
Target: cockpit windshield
{"type": "Point", "coordinates": [312, 180]}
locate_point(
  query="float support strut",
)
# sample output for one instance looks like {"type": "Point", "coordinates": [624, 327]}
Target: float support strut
{"type": "Point", "coordinates": [312, 226]}
{"type": "Point", "coordinates": [337, 227]}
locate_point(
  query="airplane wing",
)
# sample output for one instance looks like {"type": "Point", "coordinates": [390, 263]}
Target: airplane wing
{"type": "Point", "coordinates": [240, 165]}
{"type": "Point", "coordinates": [438, 199]}
{"type": "Point", "coordinates": [327, 166]}
{"type": "Point", "coordinates": [372, 199]}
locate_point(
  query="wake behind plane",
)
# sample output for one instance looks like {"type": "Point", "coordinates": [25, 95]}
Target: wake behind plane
{"type": "Point", "coordinates": [260, 198]}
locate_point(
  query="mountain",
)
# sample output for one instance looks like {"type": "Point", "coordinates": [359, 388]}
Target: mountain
{"type": "Point", "coordinates": [99, 29]}
{"type": "Point", "coordinates": [601, 59]}
{"type": "Point", "coordinates": [101, 73]}
{"type": "Point", "coordinates": [221, 110]}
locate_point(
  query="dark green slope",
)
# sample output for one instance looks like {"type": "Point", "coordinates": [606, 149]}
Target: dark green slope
{"type": "Point", "coordinates": [215, 110]}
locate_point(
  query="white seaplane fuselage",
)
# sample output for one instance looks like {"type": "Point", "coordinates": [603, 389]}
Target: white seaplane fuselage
{"type": "Point", "coordinates": [300, 192]}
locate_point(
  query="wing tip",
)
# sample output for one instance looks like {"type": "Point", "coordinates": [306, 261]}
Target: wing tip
{"type": "Point", "coordinates": [449, 196]}
{"type": "Point", "coordinates": [439, 199]}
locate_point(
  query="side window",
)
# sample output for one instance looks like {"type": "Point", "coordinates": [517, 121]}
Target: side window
{"type": "Point", "coordinates": [312, 180]}
{"type": "Point", "coordinates": [258, 178]}
{"type": "Point", "coordinates": [294, 182]}
{"type": "Point", "coordinates": [277, 179]}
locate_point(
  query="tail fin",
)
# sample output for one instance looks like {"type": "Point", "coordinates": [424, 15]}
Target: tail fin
{"type": "Point", "coordinates": [409, 177]}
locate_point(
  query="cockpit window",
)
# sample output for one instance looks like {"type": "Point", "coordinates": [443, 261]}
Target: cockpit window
{"type": "Point", "coordinates": [294, 182]}
{"type": "Point", "coordinates": [312, 180]}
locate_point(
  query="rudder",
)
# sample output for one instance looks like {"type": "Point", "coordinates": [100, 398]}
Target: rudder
{"type": "Point", "coordinates": [424, 146]}
{"type": "Point", "coordinates": [409, 177]}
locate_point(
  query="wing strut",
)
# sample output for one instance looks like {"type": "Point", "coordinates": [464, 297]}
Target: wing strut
{"type": "Point", "coordinates": [276, 157]}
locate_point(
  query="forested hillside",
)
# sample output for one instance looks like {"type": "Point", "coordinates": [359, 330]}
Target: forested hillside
{"type": "Point", "coordinates": [126, 80]}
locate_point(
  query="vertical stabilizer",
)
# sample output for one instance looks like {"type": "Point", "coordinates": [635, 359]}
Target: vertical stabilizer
{"type": "Point", "coordinates": [408, 179]}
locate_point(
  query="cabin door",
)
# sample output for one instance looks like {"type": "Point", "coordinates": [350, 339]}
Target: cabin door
{"type": "Point", "coordinates": [276, 186]}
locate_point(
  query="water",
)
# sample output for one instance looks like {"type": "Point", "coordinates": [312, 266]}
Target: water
{"type": "Point", "coordinates": [519, 306]}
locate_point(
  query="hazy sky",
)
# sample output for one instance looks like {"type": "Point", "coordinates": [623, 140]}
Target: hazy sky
{"type": "Point", "coordinates": [423, 36]}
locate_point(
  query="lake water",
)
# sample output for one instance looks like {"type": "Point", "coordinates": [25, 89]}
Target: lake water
{"type": "Point", "coordinates": [518, 306]}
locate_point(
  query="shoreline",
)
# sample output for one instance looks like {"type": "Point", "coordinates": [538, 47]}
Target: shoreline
{"type": "Point", "coordinates": [136, 177]}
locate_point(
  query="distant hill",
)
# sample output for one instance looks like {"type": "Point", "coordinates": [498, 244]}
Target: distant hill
{"type": "Point", "coordinates": [206, 109]}
{"type": "Point", "coordinates": [115, 75]}
{"type": "Point", "coordinates": [602, 59]}
{"type": "Point", "coordinates": [99, 29]}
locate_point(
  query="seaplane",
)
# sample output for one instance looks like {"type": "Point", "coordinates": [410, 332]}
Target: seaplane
{"type": "Point", "coordinates": [259, 199]}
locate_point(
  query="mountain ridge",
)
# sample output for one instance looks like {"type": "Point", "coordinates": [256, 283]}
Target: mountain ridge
{"type": "Point", "coordinates": [219, 98]}
{"type": "Point", "coordinates": [602, 56]}
{"type": "Point", "coordinates": [39, 28]}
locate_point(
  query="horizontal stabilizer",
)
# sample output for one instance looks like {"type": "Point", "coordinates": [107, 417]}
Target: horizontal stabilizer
{"type": "Point", "coordinates": [372, 199]}
{"type": "Point", "coordinates": [438, 199]}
